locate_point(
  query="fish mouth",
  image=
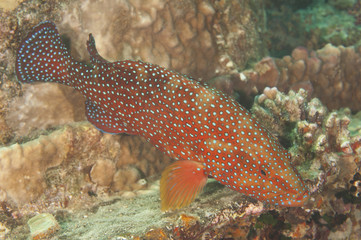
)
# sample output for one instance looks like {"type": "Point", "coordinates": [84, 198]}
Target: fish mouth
{"type": "Point", "coordinates": [301, 199]}
{"type": "Point", "coordinates": [303, 196]}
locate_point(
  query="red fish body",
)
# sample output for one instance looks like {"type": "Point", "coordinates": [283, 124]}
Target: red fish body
{"type": "Point", "coordinates": [209, 133]}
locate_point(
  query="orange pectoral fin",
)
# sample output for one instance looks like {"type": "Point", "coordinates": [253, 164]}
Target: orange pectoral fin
{"type": "Point", "coordinates": [181, 182]}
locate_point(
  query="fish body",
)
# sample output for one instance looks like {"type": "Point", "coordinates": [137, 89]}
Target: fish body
{"type": "Point", "coordinates": [209, 133]}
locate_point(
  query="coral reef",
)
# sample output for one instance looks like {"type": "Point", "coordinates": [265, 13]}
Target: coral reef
{"type": "Point", "coordinates": [323, 150]}
{"type": "Point", "coordinates": [102, 172]}
{"type": "Point", "coordinates": [326, 24]}
{"type": "Point", "coordinates": [342, 4]}
{"type": "Point", "coordinates": [327, 156]}
{"type": "Point", "coordinates": [317, 135]}
{"type": "Point", "coordinates": [23, 166]}
{"type": "Point", "coordinates": [320, 141]}
{"type": "Point", "coordinates": [139, 217]}
{"type": "Point", "coordinates": [8, 90]}
{"type": "Point", "coordinates": [355, 12]}
{"type": "Point", "coordinates": [103, 184]}
{"type": "Point", "coordinates": [330, 74]}
{"type": "Point", "coordinates": [43, 106]}
{"type": "Point", "coordinates": [198, 38]}
{"type": "Point", "coordinates": [74, 159]}
{"type": "Point", "coordinates": [312, 24]}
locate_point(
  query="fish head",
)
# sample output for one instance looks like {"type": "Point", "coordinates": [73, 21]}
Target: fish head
{"type": "Point", "coordinates": [261, 170]}
{"type": "Point", "coordinates": [269, 176]}
{"type": "Point", "coordinates": [281, 183]}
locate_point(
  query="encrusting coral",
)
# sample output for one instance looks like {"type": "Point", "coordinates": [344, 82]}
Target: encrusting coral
{"type": "Point", "coordinates": [314, 133]}
{"type": "Point", "coordinates": [191, 37]}
{"type": "Point", "coordinates": [326, 154]}
{"type": "Point", "coordinates": [74, 160]}
{"type": "Point", "coordinates": [43, 106]}
{"type": "Point", "coordinates": [331, 74]}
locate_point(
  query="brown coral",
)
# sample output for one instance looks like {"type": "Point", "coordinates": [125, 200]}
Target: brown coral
{"type": "Point", "coordinates": [65, 159]}
{"type": "Point", "coordinates": [198, 38]}
{"type": "Point", "coordinates": [44, 106]}
{"type": "Point", "coordinates": [331, 74]}
{"type": "Point", "coordinates": [323, 150]}
{"type": "Point", "coordinates": [318, 135]}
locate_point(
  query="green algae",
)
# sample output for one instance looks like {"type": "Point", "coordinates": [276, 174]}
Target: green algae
{"type": "Point", "coordinates": [333, 25]}
{"type": "Point", "coordinates": [311, 24]}
{"type": "Point", "coordinates": [124, 218]}
{"type": "Point", "coordinates": [42, 225]}
{"type": "Point", "coordinates": [355, 125]}
{"type": "Point", "coordinates": [274, 224]}
{"type": "Point", "coordinates": [118, 218]}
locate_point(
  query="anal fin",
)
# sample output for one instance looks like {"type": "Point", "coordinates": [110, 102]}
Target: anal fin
{"type": "Point", "coordinates": [181, 182]}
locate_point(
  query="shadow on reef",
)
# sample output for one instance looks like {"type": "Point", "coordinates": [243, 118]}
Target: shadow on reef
{"type": "Point", "coordinates": [271, 225]}
{"type": "Point", "coordinates": [293, 4]}
{"type": "Point", "coordinates": [311, 23]}
{"type": "Point", "coordinates": [352, 195]}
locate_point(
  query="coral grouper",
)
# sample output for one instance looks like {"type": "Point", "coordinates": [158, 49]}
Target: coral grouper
{"type": "Point", "coordinates": [209, 133]}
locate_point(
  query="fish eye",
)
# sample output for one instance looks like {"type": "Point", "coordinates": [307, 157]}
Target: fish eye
{"type": "Point", "coordinates": [263, 172]}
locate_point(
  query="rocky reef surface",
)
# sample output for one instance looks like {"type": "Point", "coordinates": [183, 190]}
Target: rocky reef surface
{"type": "Point", "coordinates": [58, 171]}
{"type": "Point", "coordinates": [330, 74]}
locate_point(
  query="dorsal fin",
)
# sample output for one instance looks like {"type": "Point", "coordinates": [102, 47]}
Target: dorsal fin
{"type": "Point", "coordinates": [95, 58]}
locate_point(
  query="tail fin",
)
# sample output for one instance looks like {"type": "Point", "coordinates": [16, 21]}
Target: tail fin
{"type": "Point", "coordinates": [42, 56]}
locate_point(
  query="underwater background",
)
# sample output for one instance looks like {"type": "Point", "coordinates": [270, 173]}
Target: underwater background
{"type": "Point", "coordinates": [294, 64]}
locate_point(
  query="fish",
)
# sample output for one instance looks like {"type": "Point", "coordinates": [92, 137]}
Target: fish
{"type": "Point", "coordinates": [206, 132]}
